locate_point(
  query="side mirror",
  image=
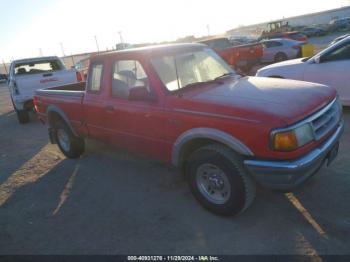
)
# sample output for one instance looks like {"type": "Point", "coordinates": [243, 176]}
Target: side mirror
{"type": "Point", "coordinates": [141, 93]}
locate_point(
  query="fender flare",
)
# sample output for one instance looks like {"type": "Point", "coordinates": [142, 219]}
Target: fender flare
{"type": "Point", "coordinates": [208, 133]}
{"type": "Point", "coordinates": [55, 109]}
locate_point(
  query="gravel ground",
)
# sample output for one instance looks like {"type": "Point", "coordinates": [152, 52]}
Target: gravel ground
{"type": "Point", "coordinates": [113, 202]}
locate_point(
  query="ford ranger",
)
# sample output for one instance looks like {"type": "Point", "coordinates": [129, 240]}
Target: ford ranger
{"type": "Point", "coordinates": [184, 105]}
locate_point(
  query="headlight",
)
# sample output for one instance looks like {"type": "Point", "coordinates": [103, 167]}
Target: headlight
{"type": "Point", "coordinates": [292, 139]}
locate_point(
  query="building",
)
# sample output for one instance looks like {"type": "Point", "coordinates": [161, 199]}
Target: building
{"type": "Point", "coordinates": [323, 17]}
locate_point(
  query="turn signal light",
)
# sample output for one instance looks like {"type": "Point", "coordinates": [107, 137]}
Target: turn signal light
{"type": "Point", "coordinates": [286, 141]}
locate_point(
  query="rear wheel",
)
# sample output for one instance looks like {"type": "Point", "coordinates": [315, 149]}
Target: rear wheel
{"type": "Point", "coordinates": [280, 57]}
{"type": "Point", "coordinates": [218, 180]}
{"type": "Point", "coordinates": [70, 145]}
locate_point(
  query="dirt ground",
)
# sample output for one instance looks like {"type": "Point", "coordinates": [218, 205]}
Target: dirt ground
{"type": "Point", "coordinates": [113, 202]}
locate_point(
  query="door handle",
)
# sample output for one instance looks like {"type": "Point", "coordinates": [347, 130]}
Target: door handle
{"type": "Point", "coordinates": [48, 74]}
{"type": "Point", "coordinates": [109, 109]}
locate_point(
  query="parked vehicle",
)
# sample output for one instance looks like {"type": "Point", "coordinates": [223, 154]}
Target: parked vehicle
{"type": "Point", "coordinates": [122, 46]}
{"type": "Point", "coordinates": [242, 57]}
{"type": "Point", "coordinates": [313, 31]}
{"type": "Point", "coordinates": [329, 67]}
{"type": "Point", "coordinates": [183, 104]}
{"type": "Point", "coordinates": [277, 50]}
{"type": "Point", "coordinates": [275, 27]}
{"type": "Point", "coordinates": [242, 40]}
{"type": "Point", "coordinates": [28, 75]}
{"type": "Point", "coordinates": [82, 67]}
{"type": "Point", "coordinates": [289, 35]}
{"type": "Point", "coordinates": [3, 78]}
{"type": "Point", "coordinates": [341, 24]}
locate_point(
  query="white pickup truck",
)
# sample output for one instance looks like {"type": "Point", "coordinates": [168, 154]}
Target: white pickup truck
{"type": "Point", "coordinates": [28, 75]}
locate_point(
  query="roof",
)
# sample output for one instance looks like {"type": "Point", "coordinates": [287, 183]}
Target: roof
{"type": "Point", "coordinates": [28, 60]}
{"type": "Point", "coordinates": [153, 49]}
{"type": "Point", "coordinates": [279, 39]}
{"type": "Point", "coordinates": [213, 39]}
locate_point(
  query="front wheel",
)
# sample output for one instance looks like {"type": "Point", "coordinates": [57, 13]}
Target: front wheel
{"type": "Point", "coordinates": [22, 116]}
{"type": "Point", "coordinates": [279, 57]}
{"type": "Point", "coordinates": [70, 145]}
{"type": "Point", "coordinates": [218, 180]}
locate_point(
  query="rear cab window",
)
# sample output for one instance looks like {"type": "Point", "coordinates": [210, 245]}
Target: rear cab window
{"type": "Point", "coordinates": [95, 78]}
{"type": "Point", "coordinates": [218, 43]}
{"type": "Point", "coordinates": [37, 67]}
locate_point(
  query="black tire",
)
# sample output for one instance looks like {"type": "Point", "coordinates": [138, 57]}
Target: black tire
{"type": "Point", "coordinates": [279, 57]}
{"type": "Point", "coordinates": [74, 147]}
{"type": "Point", "coordinates": [22, 116]}
{"type": "Point", "coordinates": [242, 186]}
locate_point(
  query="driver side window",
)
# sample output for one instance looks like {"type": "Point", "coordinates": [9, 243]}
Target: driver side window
{"type": "Point", "coordinates": [127, 74]}
{"type": "Point", "coordinates": [340, 53]}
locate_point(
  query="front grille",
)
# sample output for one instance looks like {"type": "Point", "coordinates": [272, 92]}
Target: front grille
{"type": "Point", "coordinates": [326, 119]}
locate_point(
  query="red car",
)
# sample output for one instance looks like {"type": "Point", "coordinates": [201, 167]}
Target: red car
{"type": "Point", "coordinates": [241, 57]}
{"type": "Point", "coordinates": [184, 105]}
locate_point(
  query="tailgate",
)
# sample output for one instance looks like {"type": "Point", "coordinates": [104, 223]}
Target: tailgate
{"type": "Point", "coordinates": [27, 84]}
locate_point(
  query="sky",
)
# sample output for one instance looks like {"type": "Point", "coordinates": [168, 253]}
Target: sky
{"type": "Point", "coordinates": [42, 27]}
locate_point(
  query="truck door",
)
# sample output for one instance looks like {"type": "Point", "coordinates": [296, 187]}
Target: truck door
{"type": "Point", "coordinates": [93, 103]}
{"type": "Point", "coordinates": [136, 122]}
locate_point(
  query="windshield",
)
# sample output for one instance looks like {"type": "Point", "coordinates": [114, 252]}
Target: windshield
{"type": "Point", "coordinates": [186, 68]}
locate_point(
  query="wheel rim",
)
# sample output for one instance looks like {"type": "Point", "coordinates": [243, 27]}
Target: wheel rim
{"type": "Point", "coordinates": [63, 139]}
{"type": "Point", "coordinates": [280, 58]}
{"type": "Point", "coordinates": [213, 183]}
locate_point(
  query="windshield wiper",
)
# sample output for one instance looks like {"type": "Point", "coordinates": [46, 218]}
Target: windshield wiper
{"type": "Point", "coordinates": [224, 75]}
{"type": "Point", "coordinates": [196, 83]}
{"type": "Point", "coordinates": [215, 80]}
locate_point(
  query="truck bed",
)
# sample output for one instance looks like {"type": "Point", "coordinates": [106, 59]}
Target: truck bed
{"type": "Point", "coordinates": [65, 98]}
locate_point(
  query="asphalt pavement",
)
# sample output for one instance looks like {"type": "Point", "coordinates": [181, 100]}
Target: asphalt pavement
{"type": "Point", "coordinates": [114, 202]}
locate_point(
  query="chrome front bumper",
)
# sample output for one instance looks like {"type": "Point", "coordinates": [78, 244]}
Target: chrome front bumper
{"type": "Point", "coordinates": [285, 175]}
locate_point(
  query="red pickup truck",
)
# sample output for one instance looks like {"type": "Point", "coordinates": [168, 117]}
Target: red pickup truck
{"type": "Point", "coordinates": [241, 57]}
{"type": "Point", "coordinates": [184, 105]}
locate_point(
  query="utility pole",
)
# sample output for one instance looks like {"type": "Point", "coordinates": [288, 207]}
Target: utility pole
{"type": "Point", "coordinates": [62, 49]}
{"type": "Point", "coordinates": [121, 38]}
{"type": "Point", "coordinates": [98, 48]}
{"type": "Point", "coordinates": [72, 59]}
{"type": "Point", "coordinates": [208, 29]}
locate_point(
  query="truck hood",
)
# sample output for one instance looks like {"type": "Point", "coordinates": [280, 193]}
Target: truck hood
{"type": "Point", "coordinates": [265, 99]}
